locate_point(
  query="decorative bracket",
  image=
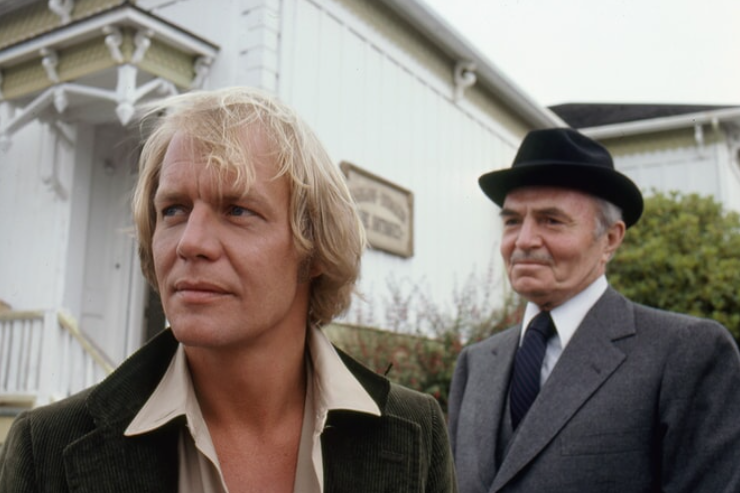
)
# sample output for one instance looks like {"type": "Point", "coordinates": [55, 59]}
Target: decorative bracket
{"type": "Point", "coordinates": [113, 40]}
{"type": "Point", "coordinates": [125, 96]}
{"type": "Point", "coordinates": [111, 27]}
{"type": "Point", "coordinates": [62, 8]}
{"type": "Point", "coordinates": [49, 61]}
{"type": "Point", "coordinates": [699, 134]}
{"type": "Point", "coordinates": [142, 41]}
{"type": "Point", "coordinates": [201, 67]}
{"type": "Point", "coordinates": [463, 77]}
{"type": "Point", "coordinates": [61, 101]}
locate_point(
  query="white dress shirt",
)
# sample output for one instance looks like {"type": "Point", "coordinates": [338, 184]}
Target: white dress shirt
{"type": "Point", "coordinates": [566, 317]}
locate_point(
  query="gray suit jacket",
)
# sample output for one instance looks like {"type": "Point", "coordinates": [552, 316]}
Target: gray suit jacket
{"type": "Point", "coordinates": [77, 445]}
{"type": "Point", "coordinates": [641, 400]}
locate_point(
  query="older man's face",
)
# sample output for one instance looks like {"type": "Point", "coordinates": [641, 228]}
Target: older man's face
{"type": "Point", "coordinates": [549, 244]}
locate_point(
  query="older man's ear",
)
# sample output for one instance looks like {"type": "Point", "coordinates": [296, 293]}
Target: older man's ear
{"type": "Point", "coordinates": [614, 238]}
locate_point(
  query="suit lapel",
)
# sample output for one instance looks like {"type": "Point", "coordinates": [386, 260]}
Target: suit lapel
{"type": "Point", "coordinates": [588, 361]}
{"type": "Point", "coordinates": [106, 460]}
{"type": "Point", "coordinates": [491, 400]}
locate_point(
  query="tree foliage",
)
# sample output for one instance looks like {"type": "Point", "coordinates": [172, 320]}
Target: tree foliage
{"type": "Point", "coordinates": [683, 255]}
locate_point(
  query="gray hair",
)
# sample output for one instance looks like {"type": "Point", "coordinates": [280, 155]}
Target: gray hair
{"type": "Point", "coordinates": [607, 214]}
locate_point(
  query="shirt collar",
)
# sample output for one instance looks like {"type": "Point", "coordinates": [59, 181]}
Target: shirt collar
{"type": "Point", "coordinates": [332, 387]}
{"type": "Point", "coordinates": [335, 387]}
{"type": "Point", "coordinates": [568, 316]}
{"type": "Point", "coordinates": [174, 397]}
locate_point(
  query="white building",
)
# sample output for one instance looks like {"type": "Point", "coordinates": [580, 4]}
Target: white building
{"type": "Point", "coordinates": [388, 86]}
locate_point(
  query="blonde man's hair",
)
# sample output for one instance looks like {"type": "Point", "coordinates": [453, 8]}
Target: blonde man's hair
{"type": "Point", "coordinates": [326, 228]}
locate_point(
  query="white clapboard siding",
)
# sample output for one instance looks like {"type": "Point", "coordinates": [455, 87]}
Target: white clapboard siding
{"type": "Point", "coordinates": [683, 169]}
{"type": "Point", "coordinates": [378, 108]}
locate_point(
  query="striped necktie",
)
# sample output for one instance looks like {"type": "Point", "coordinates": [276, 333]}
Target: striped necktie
{"type": "Point", "coordinates": [525, 380]}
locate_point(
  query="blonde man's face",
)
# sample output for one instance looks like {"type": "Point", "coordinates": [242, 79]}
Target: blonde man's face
{"type": "Point", "coordinates": [226, 264]}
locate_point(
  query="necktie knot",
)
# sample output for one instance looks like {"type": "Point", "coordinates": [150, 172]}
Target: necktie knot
{"type": "Point", "coordinates": [542, 324]}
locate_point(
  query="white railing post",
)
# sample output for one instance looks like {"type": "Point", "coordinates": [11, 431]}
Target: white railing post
{"type": "Point", "coordinates": [21, 335]}
{"type": "Point", "coordinates": [50, 362]}
{"type": "Point", "coordinates": [45, 357]}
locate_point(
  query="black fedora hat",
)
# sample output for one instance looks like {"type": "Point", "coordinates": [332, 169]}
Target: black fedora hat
{"type": "Point", "coordinates": [563, 157]}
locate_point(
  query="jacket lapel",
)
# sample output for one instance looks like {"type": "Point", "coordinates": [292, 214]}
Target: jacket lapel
{"type": "Point", "coordinates": [588, 361]}
{"type": "Point", "coordinates": [106, 460]}
{"type": "Point", "coordinates": [491, 400]}
{"type": "Point", "coordinates": [112, 463]}
{"type": "Point", "coordinates": [370, 453]}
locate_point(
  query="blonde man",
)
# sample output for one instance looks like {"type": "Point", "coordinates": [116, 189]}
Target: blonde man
{"type": "Point", "coordinates": [248, 232]}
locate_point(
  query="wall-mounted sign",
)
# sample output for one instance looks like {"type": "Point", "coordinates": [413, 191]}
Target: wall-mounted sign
{"type": "Point", "coordinates": [387, 210]}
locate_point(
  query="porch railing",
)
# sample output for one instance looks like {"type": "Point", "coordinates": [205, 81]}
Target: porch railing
{"type": "Point", "coordinates": [44, 357]}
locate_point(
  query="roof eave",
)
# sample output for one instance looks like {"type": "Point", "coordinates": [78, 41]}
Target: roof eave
{"type": "Point", "coordinates": [122, 15]}
{"type": "Point", "coordinates": [662, 124]}
{"type": "Point", "coordinates": [452, 43]}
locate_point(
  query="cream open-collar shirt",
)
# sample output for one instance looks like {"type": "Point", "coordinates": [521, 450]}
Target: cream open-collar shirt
{"type": "Point", "coordinates": [566, 317]}
{"type": "Point", "coordinates": [331, 386]}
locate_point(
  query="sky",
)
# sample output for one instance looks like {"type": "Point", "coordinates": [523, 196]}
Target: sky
{"type": "Point", "coordinates": [608, 51]}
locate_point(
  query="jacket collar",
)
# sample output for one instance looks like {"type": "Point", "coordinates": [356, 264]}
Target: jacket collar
{"type": "Point", "coordinates": [99, 457]}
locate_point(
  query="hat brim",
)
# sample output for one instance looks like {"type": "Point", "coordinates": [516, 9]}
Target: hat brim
{"type": "Point", "coordinates": [601, 182]}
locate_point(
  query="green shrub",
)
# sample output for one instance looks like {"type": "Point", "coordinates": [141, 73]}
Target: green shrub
{"type": "Point", "coordinates": [423, 339]}
{"type": "Point", "coordinates": [683, 255]}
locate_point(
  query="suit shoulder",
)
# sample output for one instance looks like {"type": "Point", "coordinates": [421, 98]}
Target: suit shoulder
{"type": "Point", "coordinates": [676, 322]}
{"type": "Point", "coordinates": [685, 334]}
{"type": "Point", "coordinates": [490, 342]}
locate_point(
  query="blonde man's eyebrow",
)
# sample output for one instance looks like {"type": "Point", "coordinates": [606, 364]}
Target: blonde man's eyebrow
{"type": "Point", "coordinates": [238, 197]}
{"type": "Point", "coordinates": [162, 195]}
{"type": "Point", "coordinates": [251, 198]}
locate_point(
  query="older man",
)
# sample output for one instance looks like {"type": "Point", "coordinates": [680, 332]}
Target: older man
{"type": "Point", "coordinates": [249, 233]}
{"type": "Point", "coordinates": [592, 393]}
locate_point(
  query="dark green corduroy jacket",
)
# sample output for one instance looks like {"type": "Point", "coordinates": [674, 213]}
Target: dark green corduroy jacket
{"type": "Point", "coordinates": [77, 445]}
